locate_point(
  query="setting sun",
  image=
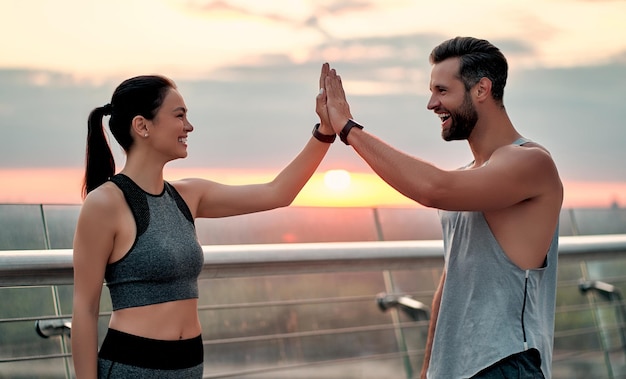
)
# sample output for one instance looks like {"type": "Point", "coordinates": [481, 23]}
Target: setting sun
{"type": "Point", "coordinates": [338, 180]}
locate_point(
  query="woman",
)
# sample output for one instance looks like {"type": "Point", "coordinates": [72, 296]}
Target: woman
{"type": "Point", "coordinates": [136, 232]}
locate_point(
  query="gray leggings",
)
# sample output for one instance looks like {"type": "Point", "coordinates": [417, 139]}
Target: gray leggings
{"type": "Point", "coordinates": [124, 355]}
{"type": "Point", "coordinates": [115, 370]}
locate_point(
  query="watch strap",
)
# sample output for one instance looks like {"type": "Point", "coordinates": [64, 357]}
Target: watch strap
{"type": "Point", "coordinates": [326, 138]}
{"type": "Point", "coordinates": [346, 129]}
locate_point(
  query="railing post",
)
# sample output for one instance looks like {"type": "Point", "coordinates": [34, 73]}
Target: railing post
{"type": "Point", "coordinates": [400, 340]}
{"type": "Point", "coordinates": [64, 339]}
{"type": "Point", "coordinates": [55, 294]}
{"type": "Point", "coordinates": [596, 317]}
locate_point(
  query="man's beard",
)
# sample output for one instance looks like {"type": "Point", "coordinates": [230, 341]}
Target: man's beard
{"type": "Point", "coordinates": [463, 121]}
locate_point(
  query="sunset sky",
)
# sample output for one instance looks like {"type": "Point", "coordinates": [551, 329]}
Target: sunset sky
{"type": "Point", "coordinates": [248, 70]}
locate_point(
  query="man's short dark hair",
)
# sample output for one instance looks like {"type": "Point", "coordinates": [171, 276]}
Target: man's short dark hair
{"type": "Point", "coordinates": [479, 59]}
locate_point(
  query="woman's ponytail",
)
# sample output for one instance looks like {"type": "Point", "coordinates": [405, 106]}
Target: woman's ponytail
{"type": "Point", "coordinates": [99, 162]}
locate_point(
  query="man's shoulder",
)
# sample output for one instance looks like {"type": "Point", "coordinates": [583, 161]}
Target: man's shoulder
{"type": "Point", "coordinates": [529, 153]}
{"type": "Point", "coordinates": [532, 165]}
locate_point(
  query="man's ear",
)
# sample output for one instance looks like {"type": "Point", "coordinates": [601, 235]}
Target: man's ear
{"type": "Point", "coordinates": [139, 126]}
{"type": "Point", "coordinates": [483, 89]}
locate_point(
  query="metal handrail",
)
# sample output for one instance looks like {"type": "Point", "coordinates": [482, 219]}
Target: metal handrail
{"type": "Point", "coordinates": [54, 267]}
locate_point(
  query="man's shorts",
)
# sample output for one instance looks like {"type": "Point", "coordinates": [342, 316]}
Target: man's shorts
{"type": "Point", "coordinates": [524, 365]}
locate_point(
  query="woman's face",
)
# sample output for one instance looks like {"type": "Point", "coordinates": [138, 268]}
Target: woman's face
{"type": "Point", "coordinates": [169, 128]}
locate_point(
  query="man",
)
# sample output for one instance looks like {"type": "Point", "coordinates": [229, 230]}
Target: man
{"type": "Point", "coordinates": [494, 308]}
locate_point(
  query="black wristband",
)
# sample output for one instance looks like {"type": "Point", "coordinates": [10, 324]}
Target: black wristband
{"type": "Point", "coordinates": [346, 129]}
{"type": "Point", "coordinates": [326, 138]}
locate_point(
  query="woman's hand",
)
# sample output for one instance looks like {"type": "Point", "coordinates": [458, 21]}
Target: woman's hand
{"type": "Point", "coordinates": [320, 103]}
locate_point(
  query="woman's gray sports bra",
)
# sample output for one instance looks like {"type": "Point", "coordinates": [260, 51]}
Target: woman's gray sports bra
{"type": "Point", "coordinates": [166, 258]}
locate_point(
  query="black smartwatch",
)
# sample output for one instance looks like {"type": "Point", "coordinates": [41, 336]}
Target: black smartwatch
{"type": "Point", "coordinates": [346, 129]}
{"type": "Point", "coordinates": [326, 138]}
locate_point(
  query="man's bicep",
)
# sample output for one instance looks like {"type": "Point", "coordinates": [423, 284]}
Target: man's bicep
{"type": "Point", "coordinates": [503, 182]}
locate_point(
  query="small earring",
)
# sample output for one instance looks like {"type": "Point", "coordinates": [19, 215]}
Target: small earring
{"type": "Point", "coordinates": [145, 135]}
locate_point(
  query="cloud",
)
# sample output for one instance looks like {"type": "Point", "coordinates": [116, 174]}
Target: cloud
{"type": "Point", "coordinates": [260, 115]}
{"type": "Point", "coordinates": [576, 113]}
{"type": "Point", "coordinates": [281, 13]}
{"type": "Point", "coordinates": [191, 38]}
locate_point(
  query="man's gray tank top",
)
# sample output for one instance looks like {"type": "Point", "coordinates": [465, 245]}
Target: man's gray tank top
{"type": "Point", "coordinates": [166, 258]}
{"type": "Point", "coordinates": [490, 308]}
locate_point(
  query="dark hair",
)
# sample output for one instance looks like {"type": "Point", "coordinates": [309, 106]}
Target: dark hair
{"type": "Point", "coordinates": [138, 96]}
{"type": "Point", "coordinates": [479, 59]}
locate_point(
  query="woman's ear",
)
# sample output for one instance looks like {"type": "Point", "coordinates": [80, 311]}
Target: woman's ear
{"type": "Point", "coordinates": [140, 126]}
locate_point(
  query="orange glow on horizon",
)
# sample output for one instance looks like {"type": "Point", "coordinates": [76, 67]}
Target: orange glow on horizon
{"type": "Point", "coordinates": [63, 186]}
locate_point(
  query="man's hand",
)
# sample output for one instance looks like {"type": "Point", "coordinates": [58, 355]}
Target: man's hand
{"type": "Point", "coordinates": [336, 103]}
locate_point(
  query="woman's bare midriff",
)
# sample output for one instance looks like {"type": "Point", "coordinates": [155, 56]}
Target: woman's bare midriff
{"type": "Point", "coordinates": [174, 320]}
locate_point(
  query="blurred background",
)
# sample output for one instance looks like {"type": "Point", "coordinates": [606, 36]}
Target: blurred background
{"type": "Point", "coordinates": [249, 73]}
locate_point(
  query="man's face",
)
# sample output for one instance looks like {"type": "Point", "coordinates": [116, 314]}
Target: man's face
{"type": "Point", "coordinates": [451, 101]}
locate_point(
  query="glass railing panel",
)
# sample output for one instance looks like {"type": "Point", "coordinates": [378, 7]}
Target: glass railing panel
{"type": "Point", "coordinates": [21, 308]}
{"type": "Point", "coordinates": [26, 302]}
{"type": "Point", "coordinates": [617, 360]}
{"type": "Point", "coordinates": [419, 281]}
{"type": "Point", "coordinates": [21, 227]}
{"type": "Point", "coordinates": [342, 345]}
{"type": "Point", "coordinates": [591, 221]}
{"type": "Point", "coordinates": [585, 365]}
{"type": "Point", "coordinates": [419, 284]}
{"type": "Point", "coordinates": [372, 368]}
{"type": "Point", "coordinates": [61, 222]}
{"type": "Point", "coordinates": [66, 296]}
{"type": "Point", "coordinates": [290, 225]}
{"type": "Point", "coordinates": [290, 319]}
{"type": "Point", "coordinates": [575, 331]}
{"type": "Point", "coordinates": [604, 283]}
{"type": "Point", "coordinates": [20, 339]}
{"type": "Point", "coordinates": [413, 337]}
{"type": "Point", "coordinates": [569, 270]}
{"type": "Point", "coordinates": [613, 270]}
{"type": "Point", "coordinates": [282, 287]}
{"type": "Point", "coordinates": [610, 324]}
{"type": "Point", "coordinates": [409, 224]}
{"type": "Point", "coordinates": [324, 348]}
{"type": "Point", "coordinates": [53, 368]}
{"type": "Point", "coordinates": [294, 320]}
{"type": "Point", "coordinates": [286, 304]}
{"type": "Point", "coordinates": [569, 295]}
{"type": "Point", "coordinates": [566, 226]}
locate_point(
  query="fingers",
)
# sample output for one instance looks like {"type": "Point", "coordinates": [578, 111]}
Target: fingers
{"type": "Point", "coordinates": [323, 74]}
{"type": "Point", "coordinates": [320, 105]}
{"type": "Point", "coordinates": [336, 103]}
{"type": "Point", "coordinates": [334, 85]}
{"type": "Point", "coordinates": [329, 80]}
{"type": "Point", "coordinates": [322, 83]}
